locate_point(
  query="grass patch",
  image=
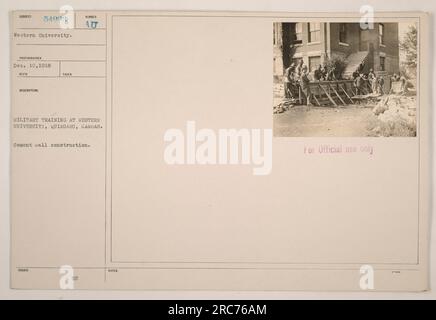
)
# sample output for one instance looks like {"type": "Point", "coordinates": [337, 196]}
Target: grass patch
{"type": "Point", "coordinates": [397, 128]}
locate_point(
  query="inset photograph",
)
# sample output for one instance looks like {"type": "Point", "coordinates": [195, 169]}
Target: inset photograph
{"type": "Point", "coordinates": [345, 79]}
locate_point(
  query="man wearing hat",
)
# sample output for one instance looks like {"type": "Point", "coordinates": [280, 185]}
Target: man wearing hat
{"type": "Point", "coordinates": [304, 83]}
{"type": "Point", "coordinates": [372, 80]}
{"type": "Point", "coordinates": [288, 78]}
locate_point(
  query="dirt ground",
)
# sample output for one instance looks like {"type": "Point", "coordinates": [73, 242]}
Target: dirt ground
{"type": "Point", "coordinates": [302, 121]}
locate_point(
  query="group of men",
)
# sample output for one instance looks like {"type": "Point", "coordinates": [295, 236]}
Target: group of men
{"type": "Point", "coordinates": [297, 76]}
{"type": "Point", "coordinates": [361, 81]}
{"type": "Point", "coordinates": [376, 83]}
{"type": "Point", "coordinates": [403, 82]}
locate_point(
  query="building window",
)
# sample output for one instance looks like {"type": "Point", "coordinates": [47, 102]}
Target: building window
{"type": "Point", "coordinates": [343, 33]}
{"type": "Point", "coordinates": [314, 32]}
{"type": "Point", "coordinates": [314, 62]}
{"type": "Point", "coordinates": [296, 61]}
{"type": "Point", "coordinates": [381, 33]}
{"type": "Point", "coordinates": [382, 64]}
{"type": "Point", "coordinates": [276, 35]}
{"type": "Point", "coordinates": [298, 34]}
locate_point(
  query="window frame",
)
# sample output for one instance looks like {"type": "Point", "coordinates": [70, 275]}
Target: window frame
{"type": "Point", "coordinates": [311, 32]}
{"type": "Point", "coordinates": [298, 34]}
{"type": "Point", "coordinates": [383, 65]}
{"type": "Point", "coordinates": [343, 39]}
{"type": "Point", "coordinates": [381, 34]}
{"type": "Point", "coordinates": [316, 64]}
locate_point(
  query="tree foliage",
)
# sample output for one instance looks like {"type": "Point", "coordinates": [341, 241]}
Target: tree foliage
{"type": "Point", "coordinates": [409, 45]}
{"type": "Point", "coordinates": [337, 63]}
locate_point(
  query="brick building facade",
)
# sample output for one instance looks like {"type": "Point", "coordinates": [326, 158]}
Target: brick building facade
{"type": "Point", "coordinates": [377, 48]}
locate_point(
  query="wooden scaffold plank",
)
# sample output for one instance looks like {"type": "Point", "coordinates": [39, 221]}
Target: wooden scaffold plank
{"type": "Point", "coordinates": [337, 94]}
{"type": "Point", "coordinates": [330, 98]}
{"type": "Point", "coordinates": [345, 91]}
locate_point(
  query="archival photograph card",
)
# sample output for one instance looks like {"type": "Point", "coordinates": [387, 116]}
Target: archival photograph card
{"type": "Point", "coordinates": [219, 150]}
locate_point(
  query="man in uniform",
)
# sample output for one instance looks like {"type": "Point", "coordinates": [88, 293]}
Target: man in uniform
{"type": "Point", "coordinates": [358, 83]}
{"type": "Point", "coordinates": [380, 85]}
{"type": "Point", "coordinates": [403, 81]}
{"type": "Point", "coordinates": [288, 79]}
{"type": "Point", "coordinates": [304, 83]}
{"type": "Point", "coordinates": [299, 68]}
{"type": "Point", "coordinates": [331, 74]}
{"type": "Point", "coordinates": [372, 80]}
{"type": "Point", "coordinates": [318, 75]}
